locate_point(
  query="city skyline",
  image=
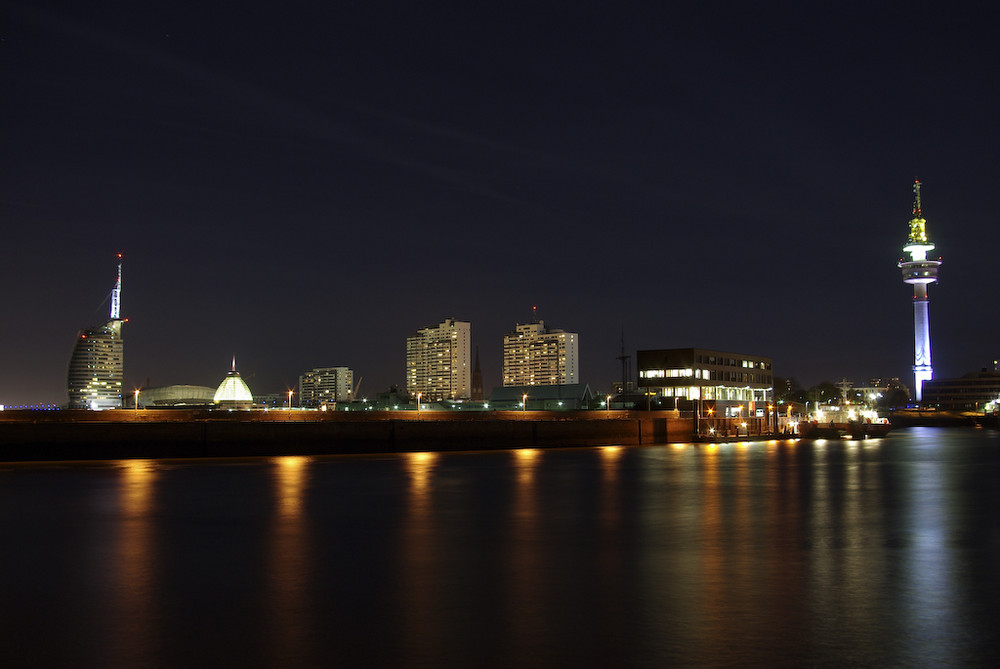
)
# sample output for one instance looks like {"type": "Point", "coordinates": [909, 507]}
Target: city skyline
{"type": "Point", "coordinates": [304, 187]}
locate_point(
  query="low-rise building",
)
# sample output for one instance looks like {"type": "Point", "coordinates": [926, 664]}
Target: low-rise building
{"type": "Point", "coordinates": [737, 381]}
{"type": "Point", "coordinates": [564, 397]}
{"type": "Point", "coordinates": [176, 397]}
{"type": "Point", "coordinates": [975, 391]}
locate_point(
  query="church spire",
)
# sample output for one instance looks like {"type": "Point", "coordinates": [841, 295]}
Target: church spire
{"type": "Point", "coordinates": [477, 393]}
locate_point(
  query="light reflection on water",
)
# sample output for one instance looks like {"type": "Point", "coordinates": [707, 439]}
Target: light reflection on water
{"type": "Point", "coordinates": [134, 573]}
{"type": "Point", "coordinates": [290, 564]}
{"type": "Point", "coordinates": [879, 552]}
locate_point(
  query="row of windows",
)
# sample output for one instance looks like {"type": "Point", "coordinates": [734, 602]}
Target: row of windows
{"type": "Point", "coordinates": [705, 375]}
{"type": "Point", "coordinates": [732, 362]}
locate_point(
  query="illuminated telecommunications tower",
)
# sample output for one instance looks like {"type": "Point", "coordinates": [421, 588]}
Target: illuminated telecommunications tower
{"type": "Point", "coordinates": [919, 271]}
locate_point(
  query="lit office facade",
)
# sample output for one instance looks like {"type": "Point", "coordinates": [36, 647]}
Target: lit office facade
{"type": "Point", "coordinates": [534, 355]}
{"type": "Point", "coordinates": [701, 374]}
{"type": "Point", "coordinates": [325, 385]}
{"type": "Point", "coordinates": [974, 392]}
{"type": "Point", "coordinates": [439, 361]}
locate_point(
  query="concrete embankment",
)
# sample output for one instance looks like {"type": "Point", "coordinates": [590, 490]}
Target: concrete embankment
{"type": "Point", "coordinates": [83, 435]}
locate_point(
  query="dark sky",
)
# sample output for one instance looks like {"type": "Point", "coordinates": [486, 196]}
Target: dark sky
{"type": "Point", "coordinates": [303, 184]}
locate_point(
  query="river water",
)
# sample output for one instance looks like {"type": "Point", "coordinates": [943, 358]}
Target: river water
{"type": "Point", "coordinates": [870, 553]}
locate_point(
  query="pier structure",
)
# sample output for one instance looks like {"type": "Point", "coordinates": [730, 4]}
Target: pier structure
{"type": "Point", "coordinates": [919, 272]}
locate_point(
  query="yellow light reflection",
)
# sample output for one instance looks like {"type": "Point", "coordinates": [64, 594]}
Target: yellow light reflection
{"type": "Point", "coordinates": [611, 452]}
{"type": "Point", "coordinates": [135, 549]}
{"type": "Point", "coordinates": [290, 556]}
{"type": "Point", "coordinates": [419, 466]}
{"type": "Point", "coordinates": [137, 486]}
{"type": "Point", "coordinates": [290, 477]}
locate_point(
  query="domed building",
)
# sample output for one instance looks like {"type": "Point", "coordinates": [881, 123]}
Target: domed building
{"type": "Point", "coordinates": [233, 392]}
{"type": "Point", "coordinates": [176, 397]}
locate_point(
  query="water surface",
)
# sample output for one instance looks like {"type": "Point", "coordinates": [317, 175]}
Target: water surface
{"type": "Point", "coordinates": [876, 553]}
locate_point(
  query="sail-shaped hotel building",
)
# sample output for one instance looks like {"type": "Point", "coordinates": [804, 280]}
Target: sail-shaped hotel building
{"type": "Point", "coordinates": [97, 365]}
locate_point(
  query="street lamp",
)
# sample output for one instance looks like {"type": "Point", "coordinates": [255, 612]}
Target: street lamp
{"type": "Point", "coordinates": [290, 400]}
{"type": "Point", "coordinates": [609, 403]}
{"type": "Point", "coordinates": [137, 400]}
{"type": "Point", "coordinates": [419, 395]}
{"type": "Point", "coordinates": [524, 402]}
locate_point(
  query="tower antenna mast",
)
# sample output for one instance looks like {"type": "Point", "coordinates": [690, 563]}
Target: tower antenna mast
{"type": "Point", "coordinates": [116, 294]}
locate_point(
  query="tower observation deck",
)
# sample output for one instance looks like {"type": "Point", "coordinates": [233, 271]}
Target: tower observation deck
{"type": "Point", "coordinates": [919, 272]}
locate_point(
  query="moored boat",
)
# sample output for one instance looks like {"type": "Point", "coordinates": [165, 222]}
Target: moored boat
{"type": "Point", "coordinates": [844, 423]}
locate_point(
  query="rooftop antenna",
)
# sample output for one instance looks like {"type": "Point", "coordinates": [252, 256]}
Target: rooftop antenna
{"type": "Point", "coordinates": [234, 362]}
{"type": "Point", "coordinates": [116, 294]}
{"type": "Point", "coordinates": [918, 226]}
{"type": "Point", "coordinates": [534, 314]}
{"type": "Point", "coordinates": [626, 368]}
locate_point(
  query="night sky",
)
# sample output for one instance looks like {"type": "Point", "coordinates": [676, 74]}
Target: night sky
{"type": "Point", "coordinates": [305, 184]}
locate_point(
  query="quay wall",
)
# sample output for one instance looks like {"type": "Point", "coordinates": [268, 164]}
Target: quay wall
{"type": "Point", "coordinates": [85, 435]}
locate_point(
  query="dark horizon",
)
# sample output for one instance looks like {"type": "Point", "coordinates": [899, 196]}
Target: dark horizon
{"type": "Point", "coordinates": [305, 186]}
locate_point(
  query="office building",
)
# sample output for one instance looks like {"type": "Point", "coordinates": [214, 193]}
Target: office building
{"type": "Point", "coordinates": [439, 361]}
{"type": "Point", "coordinates": [534, 355]}
{"type": "Point", "coordinates": [729, 379]}
{"type": "Point", "coordinates": [974, 392]}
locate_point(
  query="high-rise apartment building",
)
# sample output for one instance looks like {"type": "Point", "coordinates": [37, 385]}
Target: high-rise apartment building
{"type": "Point", "coordinates": [326, 385]}
{"type": "Point", "coordinates": [97, 365]}
{"type": "Point", "coordinates": [439, 361]}
{"type": "Point", "coordinates": [534, 355]}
